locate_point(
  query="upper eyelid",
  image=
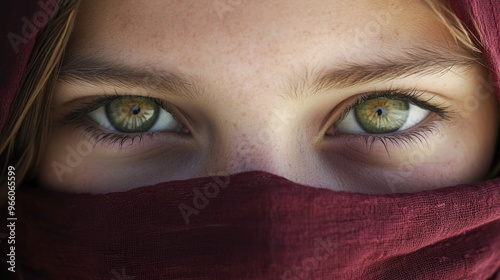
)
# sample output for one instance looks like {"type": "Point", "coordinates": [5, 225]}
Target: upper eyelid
{"type": "Point", "coordinates": [413, 95]}
{"type": "Point", "coordinates": [102, 100]}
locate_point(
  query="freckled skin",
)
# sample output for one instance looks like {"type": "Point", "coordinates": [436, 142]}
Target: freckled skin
{"type": "Point", "coordinates": [243, 55]}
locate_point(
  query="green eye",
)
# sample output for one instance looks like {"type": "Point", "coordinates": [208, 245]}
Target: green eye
{"type": "Point", "coordinates": [132, 114]}
{"type": "Point", "coordinates": [382, 115]}
{"type": "Point", "coordinates": [135, 114]}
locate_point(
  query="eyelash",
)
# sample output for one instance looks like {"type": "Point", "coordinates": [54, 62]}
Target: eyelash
{"type": "Point", "coordinates": [406, 137]}
{"type": "Point", "coordinates": [98, 135]}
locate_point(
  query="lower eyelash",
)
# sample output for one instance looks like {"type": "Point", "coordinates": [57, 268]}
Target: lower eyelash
{"type": "Point", "coordinates": [402, 139]}
{"type": "Point", "coordinates": [96, 134]}
{"type": "Point", "coordinates": [417, 134]}
{"type": "Point", "coordinates": [109, 139]}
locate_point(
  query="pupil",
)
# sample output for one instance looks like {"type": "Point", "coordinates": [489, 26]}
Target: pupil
{"type": "Point", "coordinates": [380, 111]}
{"type": "Point", "coordinates": [135, 109]}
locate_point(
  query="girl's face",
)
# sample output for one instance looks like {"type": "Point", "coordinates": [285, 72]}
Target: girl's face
{"type": "Point", "coordinates": [366, 96]}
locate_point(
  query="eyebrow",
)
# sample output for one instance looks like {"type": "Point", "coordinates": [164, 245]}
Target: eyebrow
{"type": "Point", "coordinates": [382, 68]}
{"type": "Point", "coordinates": [416, 61]}
{"type": "Point", "coordinates": [94, 70]}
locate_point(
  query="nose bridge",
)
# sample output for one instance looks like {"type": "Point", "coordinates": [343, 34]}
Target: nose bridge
{"type": "Point", "coordinates": [263, 140]}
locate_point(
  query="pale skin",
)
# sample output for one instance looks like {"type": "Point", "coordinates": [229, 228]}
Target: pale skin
{"type": "Point", "coordinates": [251, 102]}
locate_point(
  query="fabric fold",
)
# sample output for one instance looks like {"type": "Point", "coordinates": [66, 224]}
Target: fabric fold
{"type": "Point", "coordinates": [256, 225]}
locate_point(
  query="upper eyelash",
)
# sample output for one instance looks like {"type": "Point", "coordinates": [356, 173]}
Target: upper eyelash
{"type": "Point", "coordinates": [96, 134]}
{"type": "Point", "coordinates": [87, 107]}
{"type": "Point", "coordinates": [405, 137]}
{"type": "Point", "coordinates": [412, 96]}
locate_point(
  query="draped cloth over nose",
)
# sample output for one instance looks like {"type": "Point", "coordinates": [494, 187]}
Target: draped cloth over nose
{"type": "Point", "coordinates": [257, 225]}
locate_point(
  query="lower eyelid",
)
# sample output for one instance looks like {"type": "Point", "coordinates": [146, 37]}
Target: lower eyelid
{"type": "Point", "coordinates": [89, 130]}
{"type": "Point", "coordinates": [104, 131]}
{"type": "Point", "coordinates": [431, 124]}
{"type": "Point", "coordinates": [387, 144]}
{"type": "Point", "coordinates": [349, 123]}
{"type": "Point", "coordinates": [106, 125]}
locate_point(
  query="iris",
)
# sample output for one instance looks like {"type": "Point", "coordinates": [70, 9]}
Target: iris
{"type": "Point", "coordinates": [132, 114]}
{"type": "Point", "coordinates": [382, 115]}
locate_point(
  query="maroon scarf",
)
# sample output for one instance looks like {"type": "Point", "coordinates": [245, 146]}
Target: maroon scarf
{"type": "Point", "coordinates": [255, 225]}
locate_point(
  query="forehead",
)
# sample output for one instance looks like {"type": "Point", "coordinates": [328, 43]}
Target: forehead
{"type": "Point", "coordinates": [245, 37]}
